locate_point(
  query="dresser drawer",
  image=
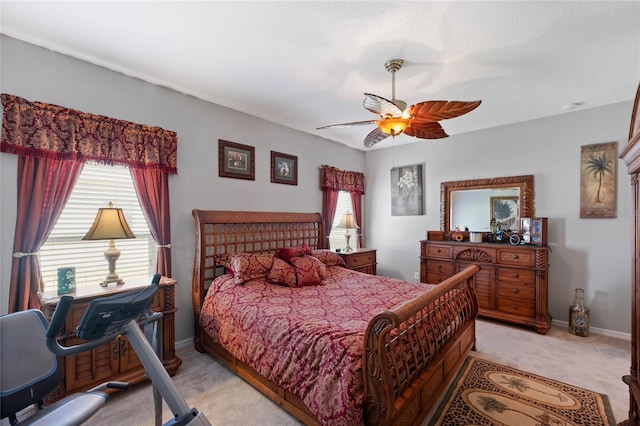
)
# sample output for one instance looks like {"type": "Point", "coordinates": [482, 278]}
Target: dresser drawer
{"type": "Point", "coordinates": [356, 260]}
{"type": "Point", "coordinates": [437, 267]}
{"type": "Point", "coordinates": [436, 278]}
{"type": "Point", "coordinates": [520, 291]}
{"type": "Point", "coordinates": [442, 252]}
{"type": "Point", "coordinates": [517, 275]}
{"type": "Point", "coordinates": [518, 307]}
{"type": "Point", "coordinates": [517, 257]}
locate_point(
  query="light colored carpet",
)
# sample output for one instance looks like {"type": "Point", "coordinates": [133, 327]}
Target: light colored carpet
{"type": "Point", "coordinates": [596, 363]}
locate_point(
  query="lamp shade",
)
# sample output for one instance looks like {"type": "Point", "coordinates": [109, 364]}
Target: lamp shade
{"type": "Point", "coordinates": [109, 224]}
{"type": "Point", "coordinates": [347, 221]}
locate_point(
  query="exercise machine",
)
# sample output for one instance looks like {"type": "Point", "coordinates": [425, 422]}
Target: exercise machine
{"type": "Point", "coordinates": [124, 314]}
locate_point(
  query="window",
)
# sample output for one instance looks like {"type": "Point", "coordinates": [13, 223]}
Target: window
{"type": "Point", "coordinates": [97, 186]}
{"type": "Point", "coordinates": [336, 238]}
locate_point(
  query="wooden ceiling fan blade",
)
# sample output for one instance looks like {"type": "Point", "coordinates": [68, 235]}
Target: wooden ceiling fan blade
{"type": "Point", "coordinates": [426, 130]}
{"type": "Point", "coordinates": [381, 106]}
{"type": "Point", "coordinates": [375, 136]}
{"type": "Point", "coordinates": [440, 110]}
{"type": "Point", "coordinates": [343, 125]}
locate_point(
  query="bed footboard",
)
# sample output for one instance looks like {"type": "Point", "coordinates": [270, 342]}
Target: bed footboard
{"type": "Point", "coordinates": [413, 350]}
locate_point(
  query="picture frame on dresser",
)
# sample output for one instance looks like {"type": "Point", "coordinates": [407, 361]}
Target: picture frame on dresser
{"type": "Point", "coordinates": [534, 230]}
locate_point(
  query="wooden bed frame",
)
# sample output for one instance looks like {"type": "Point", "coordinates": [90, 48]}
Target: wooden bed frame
{"type": "Point", "coordinates": [398, 391]}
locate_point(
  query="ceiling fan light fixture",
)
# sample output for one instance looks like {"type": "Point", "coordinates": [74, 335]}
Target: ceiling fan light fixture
{"type": "Point", "coordinates": [394, 125]}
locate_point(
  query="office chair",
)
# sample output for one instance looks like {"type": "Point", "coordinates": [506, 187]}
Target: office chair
{"type": "Point", "coordinates": [30, 371]}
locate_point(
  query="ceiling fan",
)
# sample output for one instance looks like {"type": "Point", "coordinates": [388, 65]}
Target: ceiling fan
{"type": "Point", "coordinates": [419, 120]}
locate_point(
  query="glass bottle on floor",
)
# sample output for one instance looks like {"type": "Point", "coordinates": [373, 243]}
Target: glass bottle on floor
{"type": "Point", "coordinates": [579, 315]}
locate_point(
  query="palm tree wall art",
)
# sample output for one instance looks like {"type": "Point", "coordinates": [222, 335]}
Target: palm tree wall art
{"type": "Point", "coordinates": [598, 165]}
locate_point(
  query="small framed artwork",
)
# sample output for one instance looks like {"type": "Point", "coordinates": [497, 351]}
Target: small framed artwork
{"type": "Point", "coordinates": [236, 160]}
{"type": "Point", "coordinates": [534, 230]}
{"type": "Point", "coordinates": [284, 168]}
{"type": "Point", "coordinates": [598, 180]}
{"type": "Point", "coordinates": [506, 211]}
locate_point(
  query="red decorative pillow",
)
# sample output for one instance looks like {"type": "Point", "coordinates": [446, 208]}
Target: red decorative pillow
{"type": "Point", "coordinates": [309, 270]}
{"type": "Point", "coordinates": [328, 257]}
{"type": "Point", "coordinates": [282, 273]}
{"type": "Point", "coordinates": [246, 266]}
{"type": "Point", "coordinates": [286, 253]}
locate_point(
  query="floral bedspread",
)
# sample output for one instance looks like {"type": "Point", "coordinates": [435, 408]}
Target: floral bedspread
{"type": "Point", "coordinates": [308, 340]}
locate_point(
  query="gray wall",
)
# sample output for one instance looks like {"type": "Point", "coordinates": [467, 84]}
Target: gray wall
{"type": "Point", "coordinates": [41, 75]}
{"type": "Point", "coordinates": [592, 254]}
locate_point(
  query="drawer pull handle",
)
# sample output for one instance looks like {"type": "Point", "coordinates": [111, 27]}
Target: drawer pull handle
{"type": "Point", "coordinates": [515, 291]}
{"type": "Point", "coordinates": [438, 251]}
{"type": "Point", "coordinates": [514, 306]}
{"type": "Point", "coordinates": [439, 267]}
{"type": "Point", "coordinates": [515, 256]}
{"type": "Point", "coordinates": [515, 275]}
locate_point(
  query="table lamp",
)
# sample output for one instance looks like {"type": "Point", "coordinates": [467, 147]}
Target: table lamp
{"type": "Point", "coordinates": [347, 222]}
{"type": "Point", "coordinates": [110, 224]}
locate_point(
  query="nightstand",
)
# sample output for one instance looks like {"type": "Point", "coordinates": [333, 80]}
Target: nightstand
{"type": "Point", "coordinates": [116, 360]}
{"type": "Point", "coordinates": [362, 260]}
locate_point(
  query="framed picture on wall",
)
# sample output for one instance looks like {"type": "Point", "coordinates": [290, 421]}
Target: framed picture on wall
{"type": "Point", "coordinates": [236, 160]}
{"type": "Point", "coordinates": [598, 165]}
{"type": "Point", "coordinates": [406, 191]}
{"type": "Point", "coordinates": [284, 168]}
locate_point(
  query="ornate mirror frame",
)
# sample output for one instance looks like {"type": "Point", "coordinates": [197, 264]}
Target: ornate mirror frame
{"type": "Point", "coordinates": [524, 183]}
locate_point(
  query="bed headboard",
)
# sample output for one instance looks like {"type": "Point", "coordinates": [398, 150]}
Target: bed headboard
{"type": "Point", "coordinates": [221, 232]}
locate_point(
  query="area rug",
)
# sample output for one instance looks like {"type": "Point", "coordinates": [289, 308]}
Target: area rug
{"type": "Point", "coordinates": [485, 393]}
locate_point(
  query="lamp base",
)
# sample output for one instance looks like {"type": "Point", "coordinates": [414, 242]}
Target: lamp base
{"type": "Point", "coordinates": [347, 236]}
{"type": "Point", "coordinates": [107, 281]}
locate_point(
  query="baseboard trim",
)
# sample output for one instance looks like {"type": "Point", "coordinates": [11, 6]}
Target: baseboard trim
{"type": "Point", "coordinates": [596, 330]}
{"type": "Point", "coordinates": [184, 343]}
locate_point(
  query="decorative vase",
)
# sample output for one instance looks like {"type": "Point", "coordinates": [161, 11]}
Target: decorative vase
{"type": "Point", "coordinates": [579, 315]}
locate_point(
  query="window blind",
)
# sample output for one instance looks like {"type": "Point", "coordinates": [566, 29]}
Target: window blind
{"type": "Point", "coordinates": [97, 186]}
{"type": "Point", "coordinates": [336, 238]}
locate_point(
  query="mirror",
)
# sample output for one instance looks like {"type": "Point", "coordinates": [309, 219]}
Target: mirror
{"type": "Point", "coordinates": [472, 203]}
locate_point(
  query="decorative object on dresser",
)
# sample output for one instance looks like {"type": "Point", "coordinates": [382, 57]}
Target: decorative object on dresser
{"type": "Point", "coordinates": [631, 156]}
{"type": "Point", "coordinates": [114, 361]}
{"type": "Point", "coordinates": [390, 390]}
{"type": "Point", "coordinates": [362, 259]}
{"type": "Point", "coordinates": [110, 224]}
{"type": "Point", "coordinates": [347, 222]}
{"type": "Point", "coordinates": [511, 284]}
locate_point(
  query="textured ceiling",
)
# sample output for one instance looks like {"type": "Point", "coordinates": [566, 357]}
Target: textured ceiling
{"type": "Point", "coordinates": [306, 64]}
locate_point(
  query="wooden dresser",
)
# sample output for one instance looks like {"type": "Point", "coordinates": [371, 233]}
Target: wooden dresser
{"type": "Point", "coordinates": [511, 284]}
{"type": "Point", "coordinates": [115, 361]}
{"type": "Point", "coordinates": [631, 156]}
{"type": "Point", "coordinates": [363, 260]}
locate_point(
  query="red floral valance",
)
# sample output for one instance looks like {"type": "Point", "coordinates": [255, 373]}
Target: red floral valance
{"type": "Point", "coordinates": [44, 130]}
{"type": "Point", "coordinates": [341, 180]}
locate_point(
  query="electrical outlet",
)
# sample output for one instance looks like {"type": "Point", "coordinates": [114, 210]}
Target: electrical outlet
{"type": "Point", "coordinates": [416, 276]}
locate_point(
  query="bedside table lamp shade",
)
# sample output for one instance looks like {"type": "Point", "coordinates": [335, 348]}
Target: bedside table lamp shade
{"type": "Point", "coordinates": [110, 224]}
{"type": "Point", "coordinates": [347, 222]}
